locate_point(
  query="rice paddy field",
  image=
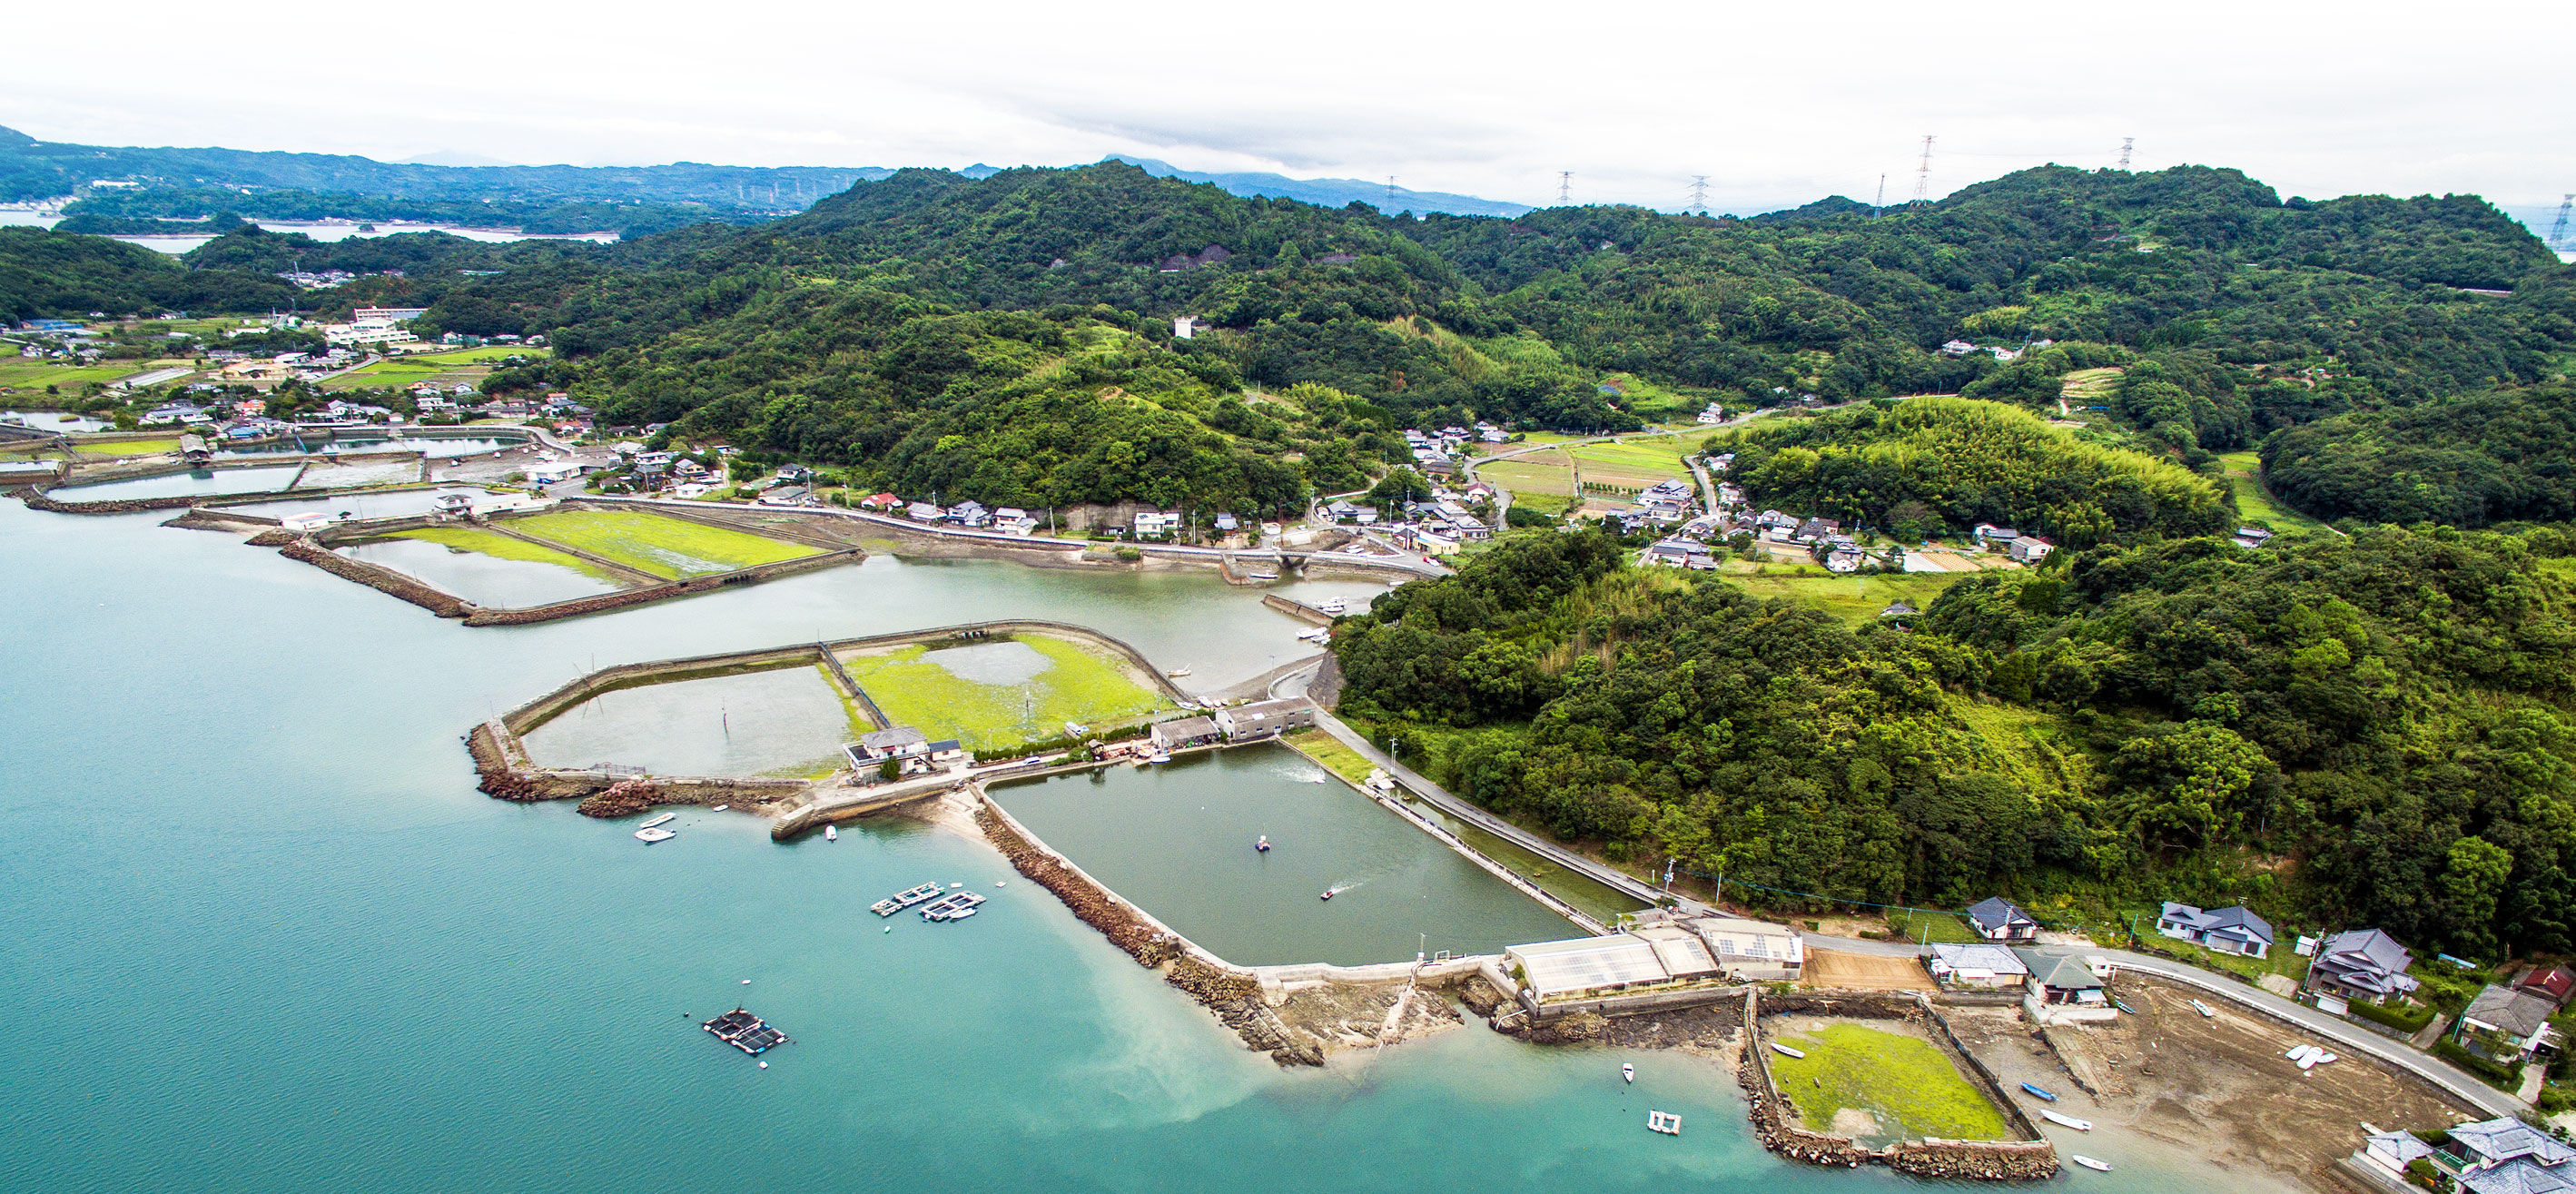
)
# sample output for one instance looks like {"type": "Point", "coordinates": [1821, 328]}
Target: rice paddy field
{"type": "Point", "coordinates": [672, 548]}
{"type": "Point", "coordinates": [21, 373]}
{"type": "Point", "coordinates": [995, 694]}
{"type": "Point", "coordinates": [1877, 1085]}
{"type": "Point", "coordinates": [1854, 599]}
{"type": "Point", "coordinates": [463, 365]}
{"type": "Point", "coordinates": [1542, 481]}
{"type": "Point", "coordinates": [1631, 464]}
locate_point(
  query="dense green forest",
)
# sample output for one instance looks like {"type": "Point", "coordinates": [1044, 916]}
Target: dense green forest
{"type": "Point", "coordinates": [2497, 456]}
{"type": "Point", "coordinates": [928, 307]}
{"type": "Point", "coordinates": [152, 210]}
{"type": "Point", "coordinates": [1931, 465]}
{"type": "Point", "coordinates": [2379, 729]}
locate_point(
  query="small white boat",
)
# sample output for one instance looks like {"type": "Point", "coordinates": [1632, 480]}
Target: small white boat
{"type": "Point", "coordinates": [664, 819]}
{"type": "Point", "coordinates": [2090, 1163]}
{"type": "Point", "coordinates": [650, 836]}
{"type": "Point", "coordinates": [720, 808]}
{"type": "Point", "coordinates": [1665, 1122]}
{"type": "Point", "coordinates": [1628, 1073]}
{"type": "Point", "coordinates": [830, 834]}
{"type": "Point", "coordinates": [1336, 607]}
{"type": "Point", "coordinates": [1158, 757]}
{"type": "Point", "coordinates": [2064, 1120]}
{"type": "Point", "coordinates": [2203, 1009]}
{"type": "Point", "coordinates": [1178, 672]}
{"type": "Point", "coordinates": [1786, 1051]}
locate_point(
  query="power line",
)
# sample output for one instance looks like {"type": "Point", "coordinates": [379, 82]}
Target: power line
{"type": "Point", "coordinates": [1564, 187]}
{"type": "Point", "coordinates": [2558, 234]}
{"type": "Point", "coordinates": [2126, 144]}
{"type": "Point", "coordinates": [1923, 174]}
{"type": "Point", "coordinates": [1699, 195]}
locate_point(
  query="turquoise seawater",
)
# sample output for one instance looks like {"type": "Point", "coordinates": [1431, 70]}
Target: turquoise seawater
{"type": "Point", "coordinates": [258, 932]}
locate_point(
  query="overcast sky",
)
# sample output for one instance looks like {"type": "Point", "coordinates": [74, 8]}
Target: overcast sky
{"type": "Point", "coordinates": [1776, 104]}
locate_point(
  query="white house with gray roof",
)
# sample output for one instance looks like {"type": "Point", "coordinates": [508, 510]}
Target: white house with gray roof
{"type": "Point", "coordinates": [2234, 930]}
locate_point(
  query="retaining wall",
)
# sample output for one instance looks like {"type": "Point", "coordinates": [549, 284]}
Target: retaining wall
{"type": "Point", "coordinates": [383, 580]}
{"type": "Point", "coordinates": [604, 602]}
{"type": "Point", "coordinates": [2030, 1158]}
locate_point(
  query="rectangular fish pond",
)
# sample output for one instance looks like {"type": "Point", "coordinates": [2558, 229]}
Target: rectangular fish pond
{"type": "Point", "coordinates": [787, 721]}
{"type": "Point", "coordinates": [211, 483]}
{"type": "Point", "coordinates": [1177, 840]}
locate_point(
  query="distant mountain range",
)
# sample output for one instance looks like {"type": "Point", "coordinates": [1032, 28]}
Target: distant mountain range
{"type": "Point", "coordinates": [1334, 192]}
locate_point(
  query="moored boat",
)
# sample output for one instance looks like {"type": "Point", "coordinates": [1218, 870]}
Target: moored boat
{"type": "Point", "coordinates": [1628, 1073]}
{"type": "Point", "coordinates": [2039, 1094]}
{"type": "Point", "coordinates": [650, 836]}
{"type": "Point", "coordinates": [1786, 1051]}
{"type": "Point", "coordinates": [831, 834]}
{"type": "Point", "coordinates": [656, 822]}
{"type": "Point", "coordinates": [2068, 1121]}
{"type": "Point", "coordinates": [2203, 1009]}
{"type": "Point", "coordinates": [2090, 1163]}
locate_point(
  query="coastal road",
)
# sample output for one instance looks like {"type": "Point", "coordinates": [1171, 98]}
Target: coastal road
{"type": "Point", "coordinates": [1439, 797]}
{"type": "Point", "coordinates": [2346, 1037]}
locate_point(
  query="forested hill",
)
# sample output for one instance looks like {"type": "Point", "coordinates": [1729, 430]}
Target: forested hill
{"type": "Point", "coordinates": [2496, 456]}
{"type": "Point", "coordinates": [2378, 730]}
{"type": "Point", "coordinates": [875, 318]}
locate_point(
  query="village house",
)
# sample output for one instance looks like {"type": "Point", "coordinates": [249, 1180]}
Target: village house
{"type": "Point", "coordinates": [2235, 930]}
{"type": "Point", "coordinates": [788, 495]}
{"type": "Point", "coordinates": [1844, 559]}
{"type": "Point", "coordinates": [1011, 520]}
{"type": "Point", "coordinates": [2553, 983]}
{"type": "Point", "coordinates": [1990, 537]}
{"type": "Point", "coordinates": [2507, 1025]}
{"type": "Point", "coordinates": [1264, 719]}
{"type": "Point", "coordinates": [970, 513]}
{"type": "Point", "coordinates": [2066, 990]}
{"type": "Point", "coordinates": [2506, 1156]}
{"type": "Point", "coordinates": [1156, 524]}
{"type": "Point", "coordinates": [924, 512]}
{"type": "Point", "coordinates": [1752, 950]}
{"type": "Point", "coordinates": [1957, 348]}
{"type": "Point", "coordinates": [2393, 1151]}
{"type": "Point", "coordinates": [2364, 964]}
{"type": "Point", "coordinates": [910, 749]}
{"type": "Point", "coordinates": [1997, 919]}
{"type": "Point", "coordinates": [2029, 549]}
{"type": "Point", "coordinates": [1680, 553]}
{"type": "Point", "coordinates": [1185, 732]}
{"type": "Point", "coordinates": [2252, 537]}
{"type": "Point", "coordinates": [880, 502]}
{"type": "Point", "coordinates": [1977, 967]}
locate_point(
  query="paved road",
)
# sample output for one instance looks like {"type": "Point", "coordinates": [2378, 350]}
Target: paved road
{"type": "Point", "coordinates": [1440, 798]}
{"type": "Point", "coordinates": [2346, 1036]}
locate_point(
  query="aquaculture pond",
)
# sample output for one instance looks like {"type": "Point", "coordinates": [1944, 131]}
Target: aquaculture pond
{"type": "Point", "coordinates": [788, 721]}
{"type": "Point", "coordinates": [492, 581]}
{"type": "Point", "coordinates": [200, 483]}
{"type": "Point", "coordinates": [1178, 839]}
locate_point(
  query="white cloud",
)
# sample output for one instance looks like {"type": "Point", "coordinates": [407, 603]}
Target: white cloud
{"type": "Point", "coordinates": [1778, 105]}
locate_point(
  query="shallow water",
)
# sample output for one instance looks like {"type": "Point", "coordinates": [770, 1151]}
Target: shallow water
{"type": "Point", "coordinates": [488, 581]}
{"type": "Point", "coordinates": [999, 663]}
{"type": "Point", "coordinates": [751, 724]}
{"type": "Point", "coordinates": [402, 503]}
{"type": "Point", "coordinates": [261, 933]}
{"type": "Point", "coordinates": [208, 484]}
{"type": "Point", "coordinates": [1178, 840]}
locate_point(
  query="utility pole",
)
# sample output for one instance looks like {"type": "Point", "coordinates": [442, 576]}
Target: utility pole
{"type": "Point", "coordinates": [1564, 187]}
{"type": "Point", "coordinates": [2126, 144]}
{"type": "Point", "coordinates": [1923, 175]}
{"type": "Point", "coordinates": [2558, 233]}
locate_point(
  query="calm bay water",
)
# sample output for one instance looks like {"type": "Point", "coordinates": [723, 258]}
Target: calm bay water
{"type": "Point", "coordinates": [258, 932]}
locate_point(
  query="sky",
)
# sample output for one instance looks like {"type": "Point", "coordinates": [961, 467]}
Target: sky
{"type": "Point", "coordinates": [1776, 104]}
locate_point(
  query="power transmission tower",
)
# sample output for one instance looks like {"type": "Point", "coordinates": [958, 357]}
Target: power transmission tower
{"type": "Point", "coordinates": [1390, 192]}
{"type": "Point", "coordinates": [1564, 187]}
{"type": "Point", "coordinates": [2126, 144]}
{"type": "Point", "coordinates": [1923, 175]}
{"type": "Point", "coordinates": [1880, 204]}
{"type": "Point", "coordinates": [2558, 233]}
{"type": "Point", "coordinates": [1699, 195]}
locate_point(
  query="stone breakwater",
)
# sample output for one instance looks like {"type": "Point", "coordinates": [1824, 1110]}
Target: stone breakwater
{"type": "Point", "coordinates": [382, 580]}
{"type": "Point", "coordinates": [1150, 946]}
{"type": "Point", "coordinates": [604, 602]}
{"type": "Point", "coordinates": [625, 798]}
{"type": "Point", "coordinates": [38, 499]}
{"type": "Point", "coordinates": [1233, 996]}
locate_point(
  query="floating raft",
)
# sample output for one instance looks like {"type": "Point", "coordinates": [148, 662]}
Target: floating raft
{"type": "Point", "coordinates": [957, 906]}
{"type": "Point", "coordinates": [745, 1031]}
{"type": "Point", "coordinates": [905, 899]}
{"type": "Point", "coordinates": [1665, 1122]}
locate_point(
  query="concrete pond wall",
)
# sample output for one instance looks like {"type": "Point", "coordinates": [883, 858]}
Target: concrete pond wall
{"type": "Point", "coordinates": [2029, 1158]}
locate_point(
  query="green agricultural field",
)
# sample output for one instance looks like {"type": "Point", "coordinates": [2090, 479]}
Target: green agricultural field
{"type": "Point", "coordinates": [489, 354]}
{"type": "Point", "coordinates": [1854, 599]}
{"type": "Point", "coordinates": [2253, 501]}
{"type": "Point", "coordinates": [1067, 681]}
{"type": "Point", "coordinates": [493, 543]}
{"type": "Point", "coordinates": [126, 447]}
{"type": "Point", "coordinates": [23, 374]}
{"type": "Point", "coordinates": [1932, 927]}
{"type": "Point", "coordinates": [1906, 1082]}
{"type": "Point", "coordinates": [1631, 464]}
{"type": "Point", "coordinates": [674, 548]}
